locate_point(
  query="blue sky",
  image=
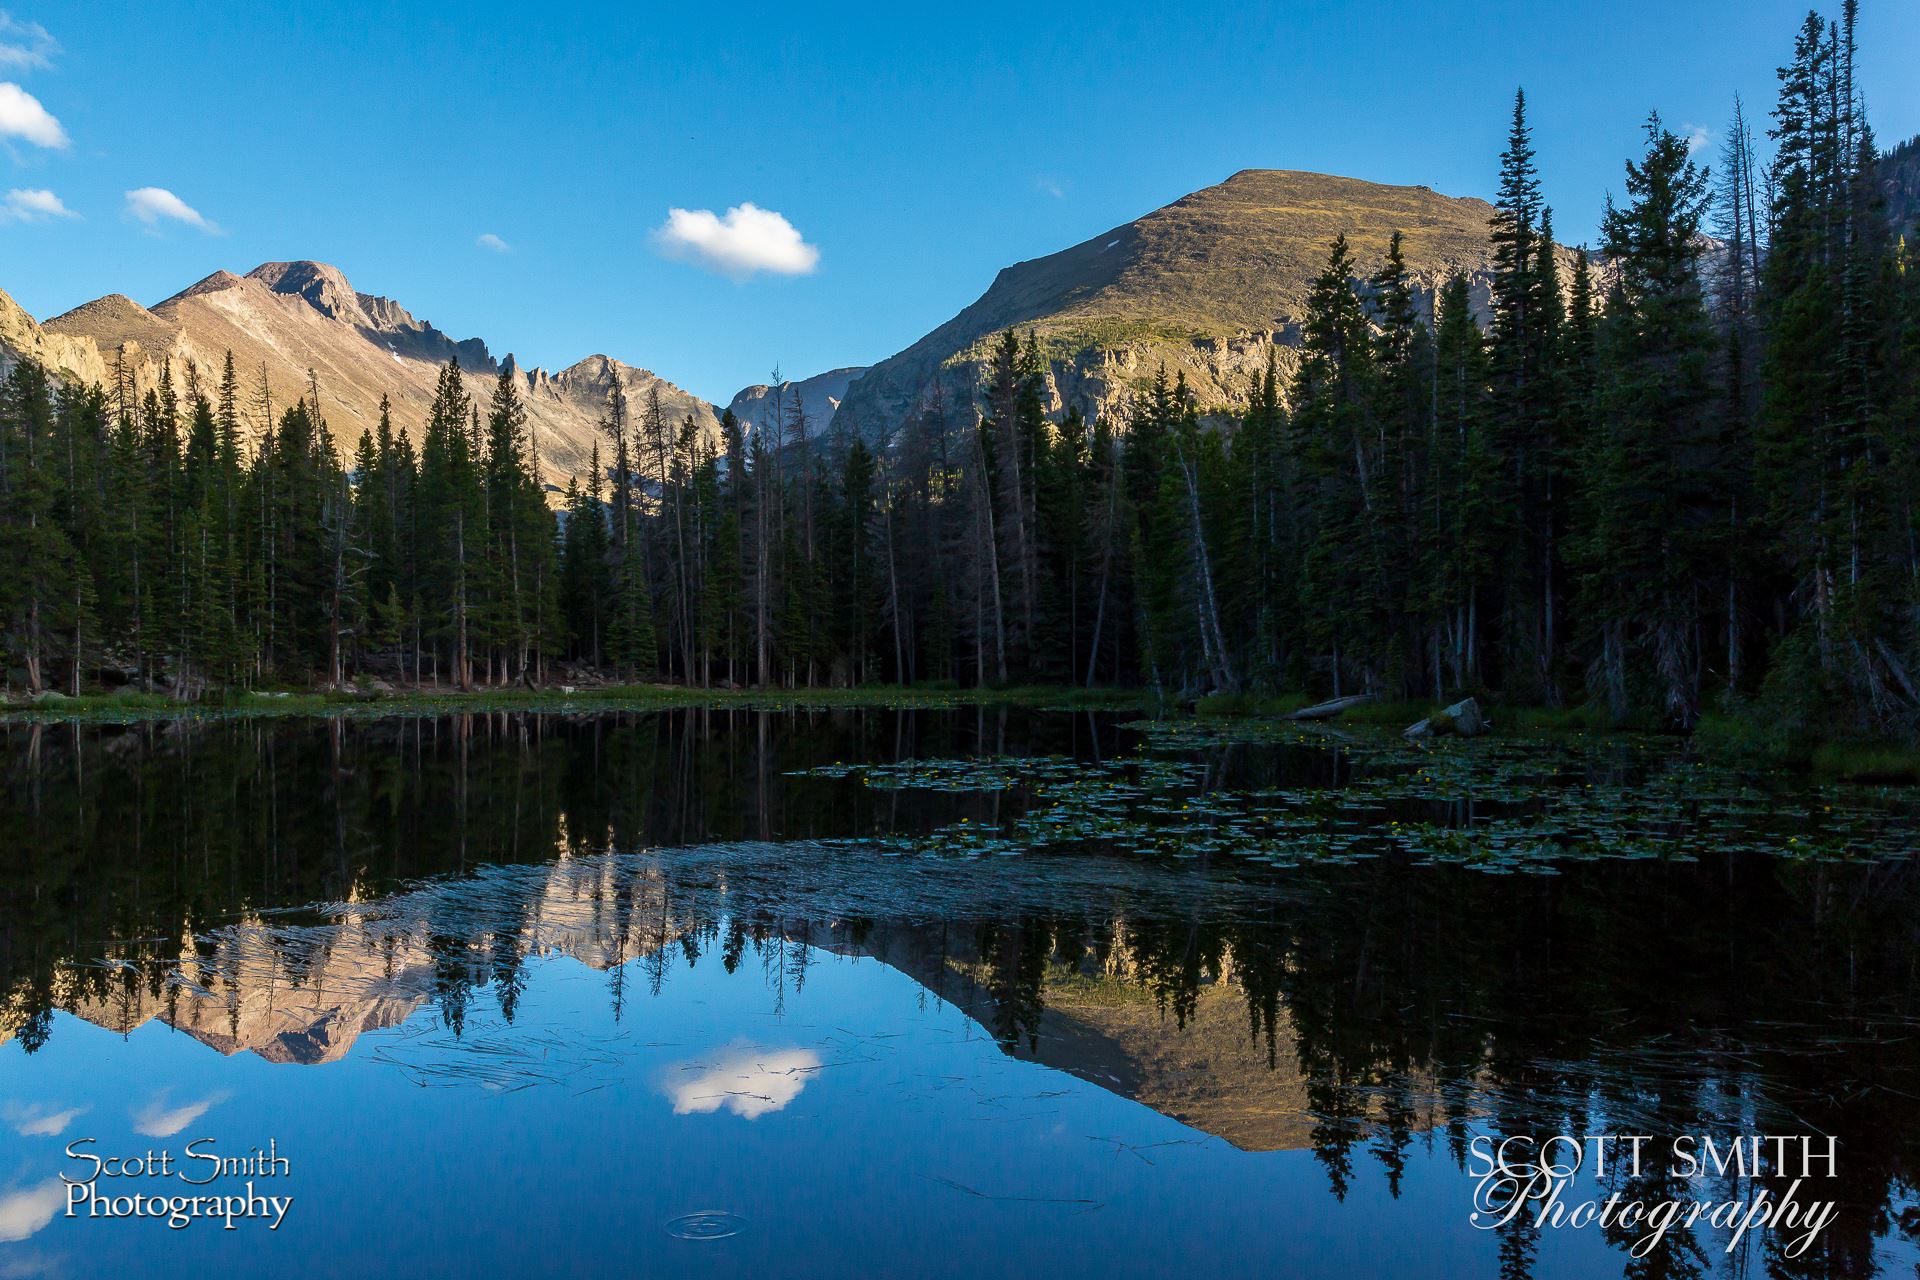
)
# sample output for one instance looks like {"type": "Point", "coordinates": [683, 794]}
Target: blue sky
{"type": "Point", "coordinates": [909, 151]}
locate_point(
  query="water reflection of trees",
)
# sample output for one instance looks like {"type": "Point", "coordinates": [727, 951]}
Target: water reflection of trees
{"type": "Point", "coordinates": [1753, 996]}
{"type": "Point", "coordinates": [1414, 1003]}
{"type": "Point", "coordinates": [161, 830]}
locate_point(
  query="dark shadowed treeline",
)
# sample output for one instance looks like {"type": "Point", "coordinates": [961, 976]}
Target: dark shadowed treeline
{"type": "Point", "coordinates": [164, 543]}
{"type": "Point", "coordinates": [1672, 474]}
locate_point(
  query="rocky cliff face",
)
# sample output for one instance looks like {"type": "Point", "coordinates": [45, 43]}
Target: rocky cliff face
{"type": "Point", "coordinates": [1900, 184]}
{"type": "Point", "coordinates": [283, 320]}
{"type": "Point", "coordinates": [22, 338]}
{"type": "Point", "coordinates": [760, 406]}
{"type": "Point", "coordinates": [1207, 286]}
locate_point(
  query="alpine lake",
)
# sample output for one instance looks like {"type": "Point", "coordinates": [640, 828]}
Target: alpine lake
{"type": "Point", "coordinates": [953, 992]}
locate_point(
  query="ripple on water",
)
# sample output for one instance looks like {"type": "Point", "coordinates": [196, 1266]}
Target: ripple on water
{"type": "Point", "coordinates": [706, 1224]}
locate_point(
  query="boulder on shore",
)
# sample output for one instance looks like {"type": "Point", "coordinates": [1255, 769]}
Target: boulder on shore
{"type": "Point", "coordinates": [1463, 719]}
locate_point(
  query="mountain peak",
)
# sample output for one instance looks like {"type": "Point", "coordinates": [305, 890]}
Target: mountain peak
{"type": "Point", "coordinates": [215, 283]}
{"type": "Point", "coordinates": [325, 288]}
{"type": "Point", "coordinates": [1308, 183]}
{"type": "Point", "coordinates": [113, 304]}
{"type": "Point", "coordinates": [594, 369]}
{"type": "Point", "coordinates": [1207, 286]}
{"type": "Point", "coordinates": [115, 320]}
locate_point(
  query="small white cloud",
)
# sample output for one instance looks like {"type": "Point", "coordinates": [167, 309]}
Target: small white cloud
{"type": "Point", "coordinates": [27, 205]}
{"type": "Point", "coordinates": [152, 205]}
{"type": "Point", "coordinates": [37, 1120]}
{"type": "Point", "coordinates": [1699, 138]}
{"type": "Point", "coordinates": [24, 1212]}
{"type": "Point", "coordinates": [158, 1120]}
{"type": "Point", "coordinates": [1049, 187]}
{"type": "Point", "coordinates": [25, 45]}
{"type": "Point", "coordinates": [748, 239]}
{"type": "Point", "coordinates": [22, 116]}
{"type": "Point", "coordinates": [488, 240]}
{"type": "Point", "coordinates": [749, 1082]}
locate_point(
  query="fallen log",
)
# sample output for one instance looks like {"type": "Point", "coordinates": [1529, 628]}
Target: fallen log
{"type": "Point", "coordinates": [1328, 710]}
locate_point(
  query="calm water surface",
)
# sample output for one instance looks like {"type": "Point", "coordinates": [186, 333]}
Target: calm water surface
{"type": "Point", "coordinates": [937, 993]}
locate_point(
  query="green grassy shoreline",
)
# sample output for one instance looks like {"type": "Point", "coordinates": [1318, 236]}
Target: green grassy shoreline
{"type": "Point", "coordinates": [1724, 739]}
{"type": "Point", "coordinates": [123, 708]}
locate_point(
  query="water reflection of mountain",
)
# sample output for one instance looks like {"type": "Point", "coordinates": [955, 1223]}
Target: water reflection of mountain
{"type": "Point", "coordinates": [305, 992]}
{"type": "Point", "coordinates": [1207, 1064]}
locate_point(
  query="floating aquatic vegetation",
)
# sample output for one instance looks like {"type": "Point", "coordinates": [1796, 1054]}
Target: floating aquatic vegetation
{"type": "Point", "coordinates": [1495, 805]}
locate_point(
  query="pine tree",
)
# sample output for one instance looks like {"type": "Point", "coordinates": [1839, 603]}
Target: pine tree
{"type": "Point", "coordinates": [1525, 304]}
{"type": "Point", "coordinates": [1341, 591]}
{"type": "Point", "coordinates": [41, 584]}
{"type": "Point", "coordinates": [1462, 524]}
{"type": "Point", "coordinates": [631, 641]}
{"type": "Point", "coordinates": [519, 533]}
{"type": "Point", "coordinates": [1652, 521]}
{"type": "Point", "coordinates": [1269, 546]}
{"type": "Point", "coordinates": [586, 557]}
{"type": "Point", "coordinates": [451, 537]}
{"type": "Point", "coordinates": [858, 591]}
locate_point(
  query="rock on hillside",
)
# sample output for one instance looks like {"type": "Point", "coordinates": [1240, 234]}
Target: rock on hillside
{"type": "Point", "coordinates": [1207, 285]}
{"type": "Point", "coordinates": [286, 318]}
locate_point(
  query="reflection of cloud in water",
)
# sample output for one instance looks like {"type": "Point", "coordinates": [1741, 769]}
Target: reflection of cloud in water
{"type": "Point", "coordinates": [25, 1211]}
{"type": "Point", "coordinates": [158, 1120]}
{"type": "Point", "coordinates": [748, 1081]}
{"type": "Point", "coordinates": [38, 1120]}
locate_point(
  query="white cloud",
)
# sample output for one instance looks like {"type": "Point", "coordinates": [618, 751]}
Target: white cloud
{"type": "Point", "coordinates": [153, 204]}
{"type": "Point", "coordinates": [746, 240]}
{"type": "Point", "coordinates": [749, 1082]}
{"type": "Point", "coordinates": [25, 45]}
{"type": "Point", "coordinates": [37, 1120]}
{"type": "Point", "coordinates": [1699, 138]}
{"type": "Point", "coordinates": [22, 116]}
{"type": "Point", "coordinates": [1049, 187]}
{"type": "Point", "coordinates": [488, 240]}
{"type": "Point", "coordinates": [24, 1212]}
{"type": "Point", "coordinates": [33, 205]}
{"type": "Point", "coordinates": [158, 1120]}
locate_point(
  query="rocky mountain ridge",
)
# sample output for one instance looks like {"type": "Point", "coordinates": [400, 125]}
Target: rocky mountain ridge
{"type": "Point", "coordinates": [287, 321]}
{"type": "Point", "coordinates": [762, 406]}
{"type": "Point", "coordinates": [1206, 286]}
